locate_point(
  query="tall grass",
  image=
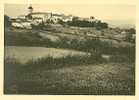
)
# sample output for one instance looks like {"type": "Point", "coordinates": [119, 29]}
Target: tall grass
{"type": "Point", "coordinates": [21, 78]}
{"type": "Point", "coordinates": [65, 61]}
{"type": "Point", "coordinates": [53, 63]}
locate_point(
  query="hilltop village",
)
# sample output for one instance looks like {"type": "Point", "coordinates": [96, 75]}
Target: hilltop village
{"type": "Point", "coordinates": [36, 18]}
{"type": "Point", "coordinates": [74, 25]}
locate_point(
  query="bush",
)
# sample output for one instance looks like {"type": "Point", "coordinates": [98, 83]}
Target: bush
{"type": "Point", "coordinates": [52, 63]}
{"type": "Point", "coordinates": [78, 23]}
{"type": "Point", "coordinates": [7, 21]}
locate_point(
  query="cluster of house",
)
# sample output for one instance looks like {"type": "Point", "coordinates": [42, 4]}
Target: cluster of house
{"type": "Point", "coordinates": [35, 18]}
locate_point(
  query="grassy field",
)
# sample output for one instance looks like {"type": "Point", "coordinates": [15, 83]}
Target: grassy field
{"type": "Point", "coordinates": [55, 38]}
{"type": "Point", "coordinates": [64, 67]}
{"type": "Point", "coordinates": [72, 73]}
{"type": "Point", "coordinates": [23, 53]}
{"type": "Point", "coordinates": [95, 79]}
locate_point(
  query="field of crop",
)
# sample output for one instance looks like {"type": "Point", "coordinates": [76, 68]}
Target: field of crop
{"type": "Point", "coordinates": [24, 54]}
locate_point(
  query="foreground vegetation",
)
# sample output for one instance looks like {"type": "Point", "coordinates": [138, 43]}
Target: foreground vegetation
{"type": "Point", "coordinates": [70, 75]}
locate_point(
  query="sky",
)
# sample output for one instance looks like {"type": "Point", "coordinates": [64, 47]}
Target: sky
{"type": "Point", "coordinates": [115, 14]}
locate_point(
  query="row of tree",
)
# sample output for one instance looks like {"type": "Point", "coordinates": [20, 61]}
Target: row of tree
{"type": "Point", "coordinates": [84, 23]}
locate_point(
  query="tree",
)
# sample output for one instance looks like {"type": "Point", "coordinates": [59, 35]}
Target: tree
{"type": "Point", "coordinates": [129, 35]}
{"type": "Point", "coordinates": [7, 21]}
{"type": "Point", "coordinates": [60, 21]}
{"type": "Point", "coordinates": [132, 31]}
{"type": "Point", "coordinates": [104, 25]}
{"type": "Point", "coordinates": [92, 17]}
{"type": "Point", "coordinates": [49, 21]}
{"type": "Point", "coordinates": [85, 23]}
{"type": "Point", "coordinates": [75, 18]}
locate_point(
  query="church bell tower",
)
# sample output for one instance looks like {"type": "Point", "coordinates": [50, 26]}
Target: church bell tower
{"type": "Point", "coordinates": [30, 9]}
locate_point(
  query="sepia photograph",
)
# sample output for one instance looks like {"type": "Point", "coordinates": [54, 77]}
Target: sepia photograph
{"type": "Point", "coordinates": [69, 49]}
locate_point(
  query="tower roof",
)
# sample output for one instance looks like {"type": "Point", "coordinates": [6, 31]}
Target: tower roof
{"type": "Point", "coordinates": [30, 7]}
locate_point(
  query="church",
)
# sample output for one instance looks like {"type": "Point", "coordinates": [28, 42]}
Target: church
{"type": "Point", "coordinates": [35, 18]}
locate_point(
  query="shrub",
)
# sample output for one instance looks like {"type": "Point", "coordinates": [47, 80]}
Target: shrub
{"type": "Point", "coordinates": [7, 21]}
{"type": "Point", "coordinates": [83, 23]}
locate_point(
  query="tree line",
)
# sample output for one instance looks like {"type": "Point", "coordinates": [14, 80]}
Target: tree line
{"type": "Point", "coordinates": [84, 23]}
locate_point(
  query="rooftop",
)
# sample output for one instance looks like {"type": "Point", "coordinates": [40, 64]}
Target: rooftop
{"type": "Point", "coordinates": [30, 7]}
